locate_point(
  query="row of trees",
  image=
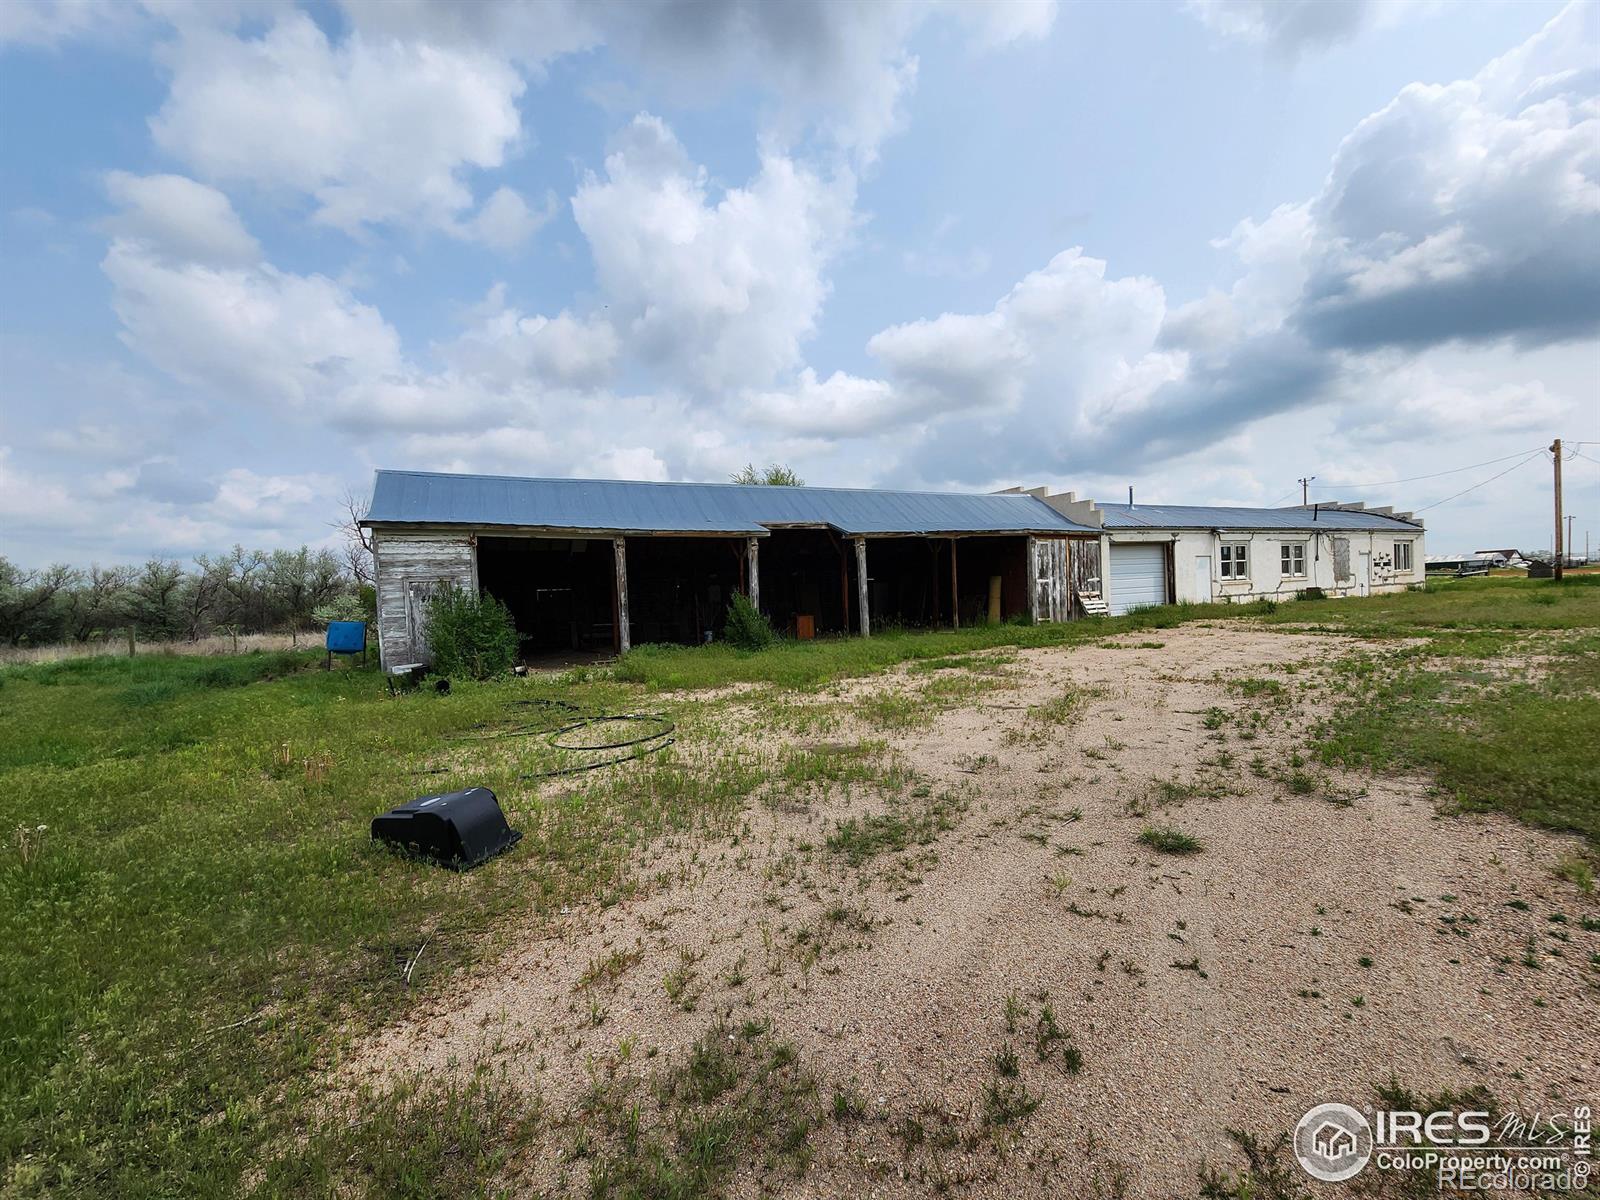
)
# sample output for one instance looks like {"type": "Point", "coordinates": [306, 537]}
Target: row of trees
{"type": "Point", "coordinates": [247, 591]}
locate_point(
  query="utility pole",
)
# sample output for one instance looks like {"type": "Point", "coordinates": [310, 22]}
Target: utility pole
{"type": "Point", "coordinates": [1555, 450]}
{"type": "Point", "coordinates": [1305, 489]}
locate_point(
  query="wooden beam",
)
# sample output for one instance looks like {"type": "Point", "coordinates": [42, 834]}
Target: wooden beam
{"type": "Point", "coordinates": [752, 553]}
{"type": "Point", "coordinates": [622, 638]}
{"type": "Point", "coordinates": [1033, 580]}
{"type": "Point", "coordinates": [861, 586]}
{"type": "Point", "coordinates": [844, 586]}
{"type": "Point", "coordinates": [955, 590]}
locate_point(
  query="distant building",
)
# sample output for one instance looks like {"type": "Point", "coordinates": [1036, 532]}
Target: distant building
{"type": "Point", "coordinates": [1479, 563]}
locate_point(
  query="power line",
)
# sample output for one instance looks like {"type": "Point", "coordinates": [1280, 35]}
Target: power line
{"type": "Point", "coordinates": [1435, 475]}
{"type": "Point", "coordinates": [1480, 484]}
{"type": "Point", "coordinates": [1585, 457]}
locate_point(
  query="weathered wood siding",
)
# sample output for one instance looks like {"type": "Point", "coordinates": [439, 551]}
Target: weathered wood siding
{"type": "Point", "coordinates": [1048, 579]}
{"type": "Point", "coordinates": [410, 568]}
{"type": "Point", "coordinates": [1085, 567]}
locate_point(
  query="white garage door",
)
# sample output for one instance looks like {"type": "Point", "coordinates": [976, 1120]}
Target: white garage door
{"type": "Point", "coordinates": [1138, 575]}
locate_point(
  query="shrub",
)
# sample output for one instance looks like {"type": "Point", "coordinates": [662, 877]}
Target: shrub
{"type": "Point", "coordinates": [341, 608]}
{"type": "Point", "coordinates": [746, 628]}
{"type": "Point", "coordinates": [471, 636]}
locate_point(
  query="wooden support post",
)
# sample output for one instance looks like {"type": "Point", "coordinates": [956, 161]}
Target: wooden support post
{"type": "Point", "coordinates": [1031, 549]}
{"type": "Point", "coordinates": [619, 547]}
{"type": "Point", "coordinates": [933, 566]}
{"type": "Point", "coordinates": [752, 554]}
{"type": "Point", "coordinates": [861, 586]}
{"type": "Point", "coordinates": [955, 590]}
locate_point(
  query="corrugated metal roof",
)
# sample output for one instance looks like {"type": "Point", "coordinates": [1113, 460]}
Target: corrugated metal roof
{"type": "Point", "coordinates": [1192, 516]}
{"type": "Point", "coordinates": [428, 498]}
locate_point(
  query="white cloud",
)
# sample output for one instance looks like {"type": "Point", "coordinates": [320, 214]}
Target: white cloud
{"type": "Point", "coordinates": [575, 449]}
{"type": "Point", "coordinates": [1293, 26]}
{"type": "Point", "coordinates": [507, 346]}
{"type": "Point", "coordinates": [505, 221]}
{"type": "Point", "coordinates": [842, 68]}
{"type": "Point", "coordinates": [374, 131]}
{"type": "Point", "coordinates": [1061, 339]}
{"type": "Point", "coordinates": [1469, 211]}
{"type": "Point", "coordinates": [52, 22]}
{"type": "Point", "coordinates": [244, 497]}
{"type": "Point", "coordinates": [533, 34]}
{"type": "Point", "coordinates": [248, 334]}
{"type": "Point", "coordinates": [715, 292]}
{"type": "Point", "coordinates": [176, 216]}
{"type": "Point", "coordinates": [840, 406]}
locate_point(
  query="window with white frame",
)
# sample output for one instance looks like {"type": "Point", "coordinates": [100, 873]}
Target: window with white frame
{"type": "Point", "coordinates": [1402, 556]}
{"type": "Point", "coordinates": [1235, 560]}
{"type": "Point", "coordinates": [1292, 557]}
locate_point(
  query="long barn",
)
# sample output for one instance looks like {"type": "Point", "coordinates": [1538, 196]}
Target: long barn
{"type": "Point", "coordinates": [594, 565]}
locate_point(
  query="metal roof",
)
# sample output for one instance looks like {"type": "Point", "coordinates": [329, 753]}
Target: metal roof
{"type": "Point", "coordinates": [429, 498]}
{"type": "Point", "coordinates": [1194, 516]}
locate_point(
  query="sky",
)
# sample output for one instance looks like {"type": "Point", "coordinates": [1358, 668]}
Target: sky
{"type": "Point", "coordinates": [251, 251]}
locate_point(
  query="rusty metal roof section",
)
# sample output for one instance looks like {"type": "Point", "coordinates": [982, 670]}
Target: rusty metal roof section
{"type": "Point", "coordinates": [621, 506]}
{"type": "Point", "coordinates": [1310, 518]}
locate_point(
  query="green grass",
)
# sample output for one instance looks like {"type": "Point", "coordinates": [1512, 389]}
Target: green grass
{"type": "Point", "coordinates": [1454, 610]}
{"type": "Point", "coordinates": [193, 920]}
{"type": "Point", "coordinates": [740, 1097]}
{"type": "Point", "coordinates": [202, 916]}
{"type": "Point", "coordinates": [812, 663]}
{"type": "Point", "coordinates": [1514, 744]}
{"type": "Point", "coordinates": [1169, 839]}
{"type": "Point", "coordinates": [916, 821]}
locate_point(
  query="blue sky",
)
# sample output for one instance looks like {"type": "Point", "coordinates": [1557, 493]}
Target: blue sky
{"type": "Point", "coordinates": [253, 250]}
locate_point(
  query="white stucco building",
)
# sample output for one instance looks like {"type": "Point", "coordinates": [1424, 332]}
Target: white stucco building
{"type": "Point", "coordinates": [1166, 553]}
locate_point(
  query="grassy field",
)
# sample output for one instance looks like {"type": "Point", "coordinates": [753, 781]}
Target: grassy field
{"type": "Point", "coordinates": [192, 916]}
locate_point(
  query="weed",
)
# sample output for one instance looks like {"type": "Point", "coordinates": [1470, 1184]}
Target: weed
{"type": "Point", "coordinates": [858, 839]}
{"type": "Point", "coordinates": [848, 1104]}
{"type": "Point", "coordinates": [1169, 839]}
{"type": "Point", "coordinates": [607, 970]}
{"type": "Point", "coordinates": [1015, 1010]}
{"type": "Point", "coordinates": [1006, 1062]}
{"type": "Point", "coordinates": [1268, 1174]}
{"type": "Point", "coordinates": [1008, 1102]}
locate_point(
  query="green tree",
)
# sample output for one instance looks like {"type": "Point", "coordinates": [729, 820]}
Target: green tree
{"type": "Point", "coordinates": [155, 600]}
{"type": "Point", "coordinates": [32, 603]}
{"type": "Point", "coordinates": [772, 475]}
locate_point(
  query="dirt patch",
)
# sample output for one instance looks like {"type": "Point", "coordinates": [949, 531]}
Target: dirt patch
{"type": "Point", "coordinates": [985, 917]}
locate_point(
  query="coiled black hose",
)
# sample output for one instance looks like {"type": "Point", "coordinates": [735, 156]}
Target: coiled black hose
{"type": "Point", "coordinates": [570, 719]}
